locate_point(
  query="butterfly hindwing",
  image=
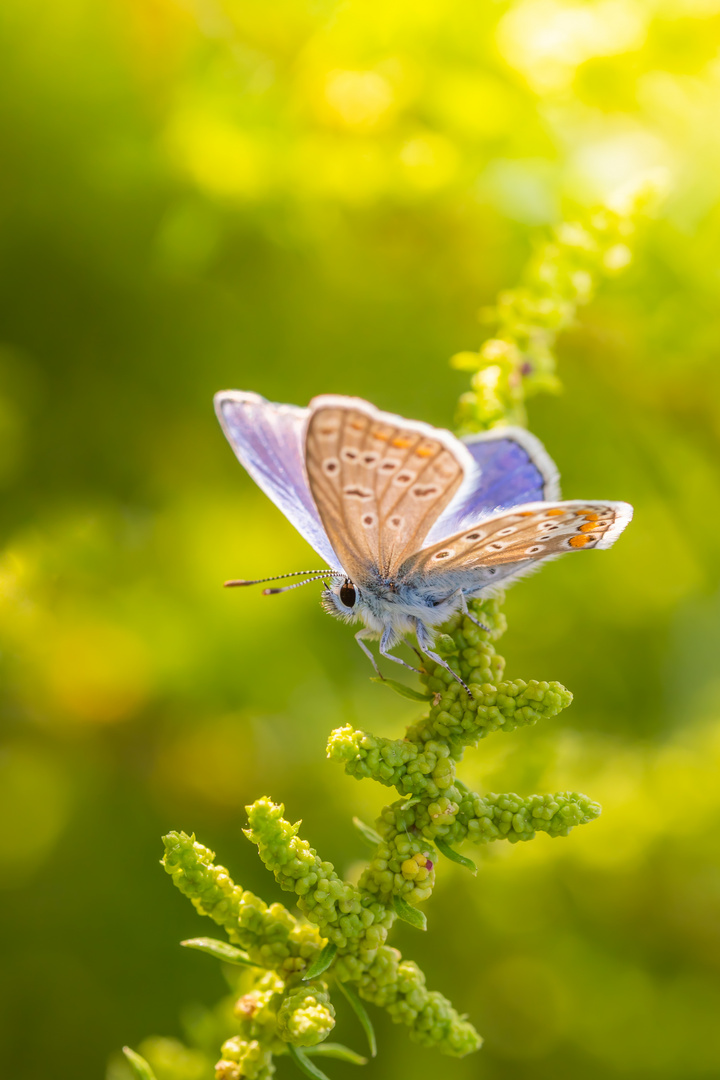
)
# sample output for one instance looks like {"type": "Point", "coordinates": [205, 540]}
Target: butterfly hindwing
{"type": "Point", "coordinates": [521, 536]}
{"type": "Point", "coordinates": [513, 467]}
{"type": "Point", "coordinates": [379, 482]}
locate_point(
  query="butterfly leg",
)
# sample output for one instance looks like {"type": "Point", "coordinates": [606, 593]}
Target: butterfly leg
{"type": "Point", "coordinates": [460, 595]}
{"type": "Point", "coordinates": [359, 638]}
{"type": "Point", "coordinates": [425, 642]}
{"type": "Point", "coordinates": [466, 612]}
{"type": "Point", "coordinates": [386, 642]}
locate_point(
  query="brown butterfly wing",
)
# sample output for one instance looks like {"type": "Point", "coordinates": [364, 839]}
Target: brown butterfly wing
{"type": "Point", "coordinates": [522, 535]}
{"type": "Point", "coordinates": [379, 483]}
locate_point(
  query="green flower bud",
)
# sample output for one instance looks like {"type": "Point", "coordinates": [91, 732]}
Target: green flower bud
{"type": "Point", "coordinates": [244, 1059]}
{"type": "Point", "coordinates": [306, 1016]}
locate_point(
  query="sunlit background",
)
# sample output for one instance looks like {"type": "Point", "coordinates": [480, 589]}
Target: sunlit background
{"type": "Point", "coordinates": [302, 197]}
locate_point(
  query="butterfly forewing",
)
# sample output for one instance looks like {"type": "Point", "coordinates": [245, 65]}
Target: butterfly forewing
{"type": "Point", "coordinates": [523, 535]}
{"type": "Point", "coordinates": [268, 440]}
{"type": "Point", "coordinates": [378, 485]}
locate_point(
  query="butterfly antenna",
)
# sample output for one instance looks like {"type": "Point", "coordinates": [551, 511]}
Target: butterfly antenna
{"type": "Point", "coordinates": [296, 585]}
{"type": "Point", "coordinates": [295, 573]}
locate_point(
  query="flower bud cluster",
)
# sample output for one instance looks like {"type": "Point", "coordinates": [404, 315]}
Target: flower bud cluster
{"type": "Point", "coordinates": [484, 818]}
{"type": "Point", "coordinates": [403, 865]}
{"type": "Point", "coordinates": [398, 986]}
{"type": "Point", "coordinates": [306, 1016]}
{"type": "Point", "coordinates": [393, 762]}
{"type": "Point", "coordinates": [423, 763]}
{"type": "Point", "coordinates": [272, 937]}
{"type": "Point", "coordinates": [342, 914]}
{"type": "Point", "coordinates": [244, 1059]}
{"type": "Point", "coordinates": [257, 1010]}
{"type": "Point", "coordinates": [463, 721]}
{"type": "Point", "coordinates": [495, 704]}
{"type": "Point", "coordinates": [518, 359]}
{"type": "Point", "coordinates": [381, 976]}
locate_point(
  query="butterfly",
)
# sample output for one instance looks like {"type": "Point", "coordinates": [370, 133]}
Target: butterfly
{"type": "Point", "coordinates": [411, 521]}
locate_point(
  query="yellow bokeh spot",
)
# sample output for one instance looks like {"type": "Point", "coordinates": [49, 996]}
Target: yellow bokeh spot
{"type": "Point", "coordinates": [96, 673]}
{"type": "Point", "coordinates": [430, 161]}
{"type": "Point", "coordinates": [359, 99]}
{"type": "Point", "coordinates": [221, 158]}
{"type": "Point", "coordinates": [547, 40]}
{"type": "Point", "coordinates": [354, 173]}
{"type": "Point", "coordinates": [212, 762]}
{"type": "Point", "coordinates": [472, 104]}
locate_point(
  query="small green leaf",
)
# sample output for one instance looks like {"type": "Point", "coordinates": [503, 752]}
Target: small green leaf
{"type": "Point", "coordinates": [403, 690]}
{"type": "Point", "coordinates": [408, 913]}
{"type": "Point", "coordinates": [367, 832]}
{"type": "Point", "coordinates": [321, 962]}
{"type": "Point", "coordinates": [139, 1065]}
{"type": "Point", "coordinates": [411, 802]}
{"type": "Point", "coordinates": [336, 1050]}
{"type": "Point", "coordinates": [448, 852]}
{"type": "Point", "coordinates": [221, 950]}
{"type": "Point", "coordinates": [361, 1013]}
{"type": "Point", "coordinates": [304, 1064]}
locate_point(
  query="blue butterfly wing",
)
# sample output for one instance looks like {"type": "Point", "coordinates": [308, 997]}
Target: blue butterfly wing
{"type": "Point", "coordinates": [269, 440]}
{"type": "Point", "coordinates": [513, 468]}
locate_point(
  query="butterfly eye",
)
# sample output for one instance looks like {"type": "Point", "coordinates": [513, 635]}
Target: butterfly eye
{"type": "Point", "coordinates": [348, 594]}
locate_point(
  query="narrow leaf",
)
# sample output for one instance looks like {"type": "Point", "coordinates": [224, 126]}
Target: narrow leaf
{"type": "Point", "coordinates": [367, 832]}
{"type": "Point", "coordinates": [409, 914]}
{"type": "Point", "coordinates": [321, 962]}
{"type": "Point", "coordinates": [361, 1013]}
{"type": "Point", "coordinates": [221, 950]}
{"type": "Point", "coordinates": [336, 1050]}
{"type": "Point", "coordinates": [304, 1063]}
{"type": "Point", "coordinates": [402, 689]}
{"type": "Point", "coordinates": [138, 1064]}
{"type": "Point", "coordinates": [449, 853]}
{"type": "Point", "coordinates": [411, 802]}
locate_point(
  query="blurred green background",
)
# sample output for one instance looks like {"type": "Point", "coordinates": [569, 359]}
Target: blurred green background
{"type": "Point", "coordinates": [306, 197]}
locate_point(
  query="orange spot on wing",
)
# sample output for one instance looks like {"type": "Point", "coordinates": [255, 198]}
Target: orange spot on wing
{"type": "Point", "coordinates": [357, 425]}
{"type": "Point", "coordinates": [589, 515]}
{"type": "Point", "coordinates": [424, 451]}
{"type": "Point", "coordinates": [557, 512]}
{"type": "Point", "coordinates": [579, 541]}
{"type": "Point", "coordinates": [401, 442]}
{"type": "Point", "coordinates": [589, 526]}
{"type": "Point", "coordinates": [524, 513]}
{"type": "Point", "coordinates": [381, 435]}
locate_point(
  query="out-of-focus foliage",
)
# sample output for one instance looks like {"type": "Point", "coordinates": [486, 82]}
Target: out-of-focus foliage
{"type": "Point", "coordinates": [296, 199]}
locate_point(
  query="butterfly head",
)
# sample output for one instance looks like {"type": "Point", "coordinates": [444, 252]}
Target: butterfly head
{"type": "Point", "coordinates": [374, 603]}
{"type": "Point", "coordinates": [344, 600]}
{"type": "Point", "coordinates": [379, 604]}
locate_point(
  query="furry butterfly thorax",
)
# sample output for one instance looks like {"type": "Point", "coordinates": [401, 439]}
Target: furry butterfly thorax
{"type": "Point", "coordinates": [410, 520]}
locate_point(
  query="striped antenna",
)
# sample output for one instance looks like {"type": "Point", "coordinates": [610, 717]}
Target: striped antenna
{"type": "Point", "coordinates": [277, 577]}
{"type": "Point", "coordinates": [287, 588]}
